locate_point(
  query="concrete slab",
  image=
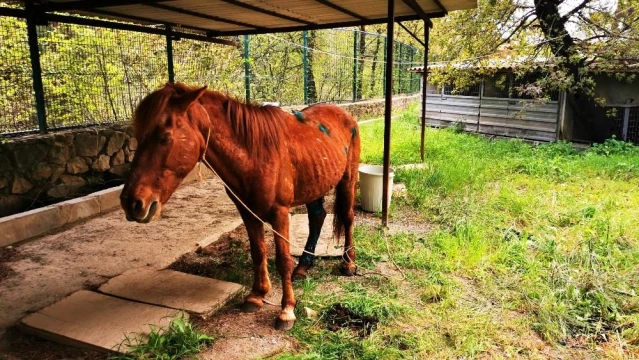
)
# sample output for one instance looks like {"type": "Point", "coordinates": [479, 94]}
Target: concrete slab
{"type": "Point", "coordinates": [96, 321]}
{"type": "Point", "coordinates": [326, 246]}
{"type": "Point", "coordinates": [172, 289]}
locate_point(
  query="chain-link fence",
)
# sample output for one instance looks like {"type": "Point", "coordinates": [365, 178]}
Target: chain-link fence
{"type": "Point", "coordinates": [94, 76]}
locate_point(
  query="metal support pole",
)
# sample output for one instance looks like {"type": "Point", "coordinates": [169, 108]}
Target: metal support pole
{"type": "Point", "coordinates": [36, 69]}
{"type": "Point", "coordinates": [388, 108]}
{"type": "Point", "coordinates": [305, 65]}
{"type": "Point", "coordinates": [424, 87]}
{"type": "Point", "coordinates": [355, 35]}
{"type": "Point", "coordinates": [169, 52]}
{"type": "Point", "coordinates": [247, 70]}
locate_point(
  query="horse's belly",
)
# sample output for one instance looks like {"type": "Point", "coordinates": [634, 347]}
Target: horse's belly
{"type": "Point", "coordinates": [317, 178]}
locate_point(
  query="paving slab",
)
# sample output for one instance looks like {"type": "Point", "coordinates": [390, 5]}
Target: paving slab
{"type": "Point", "coordinates": [95, 321]}
{"type": "Point", "coordinates": [326, 245]}
{"type": "Point", "coordinates": [173, 289]}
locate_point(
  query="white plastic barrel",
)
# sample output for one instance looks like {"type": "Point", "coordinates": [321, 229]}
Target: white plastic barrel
{"type": "Point", "coordinates": [371, 186]}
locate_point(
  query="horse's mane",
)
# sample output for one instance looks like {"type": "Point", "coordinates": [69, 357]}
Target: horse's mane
{"type": "Point", "coordinates": [259, 128]}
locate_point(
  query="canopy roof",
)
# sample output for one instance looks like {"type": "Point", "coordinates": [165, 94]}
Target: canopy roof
{"type": "Point", "coordinates": [239, 17]}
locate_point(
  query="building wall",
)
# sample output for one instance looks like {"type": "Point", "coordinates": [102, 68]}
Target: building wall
{"type": "Point", "coordinates": [601, 125]}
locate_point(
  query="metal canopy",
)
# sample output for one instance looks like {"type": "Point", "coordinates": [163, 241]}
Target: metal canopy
{"type": "Point", "coordinates": [241, 17]}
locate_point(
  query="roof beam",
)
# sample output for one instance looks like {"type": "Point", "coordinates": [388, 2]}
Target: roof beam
{"type": "Point", "coordinates": [412, 34]}
{"type": "Point", "coordinates": [139, 19]}
{"type": "Point", "coordinates": [89, 4]}
{"type": "Point", "coordinates": [268, 12]}
{"type": "Point", "coordinates": [203, 16]}
{"type": "Point", "coordinates": [419, 11]}
{"type": "Point", "coordinates": [341, 9]}
{"type": "Point", "coordinates": [322, 26]}
{"type": "Point", "coordinates": [130, 27]}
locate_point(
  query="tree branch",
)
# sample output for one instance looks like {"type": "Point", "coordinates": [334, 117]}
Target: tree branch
{"type": "Point", "coordinates": [575, 10]}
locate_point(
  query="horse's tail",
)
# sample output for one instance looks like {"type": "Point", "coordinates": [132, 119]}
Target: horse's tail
{"type": "Point", "coordinates": [345, 191]}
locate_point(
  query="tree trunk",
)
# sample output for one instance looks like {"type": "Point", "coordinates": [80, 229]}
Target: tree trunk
{"type": "Point", "coordinates": [378, 40]}
{"type": "Point", "coordinates": [360, 62]}
{"type": "Point", "coordinates": [312, 89]}
{"type": "Point", "coordinates": [580, 99]}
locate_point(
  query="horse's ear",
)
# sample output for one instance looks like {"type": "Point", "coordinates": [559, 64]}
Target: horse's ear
{"type": "Point", "coordinates": [185, 100]}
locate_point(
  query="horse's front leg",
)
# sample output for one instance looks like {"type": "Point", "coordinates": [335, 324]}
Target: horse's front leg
{"type": "Point", "coordinates": [286, 318]}
{"type": "Point", "coordinates": [261, 283]}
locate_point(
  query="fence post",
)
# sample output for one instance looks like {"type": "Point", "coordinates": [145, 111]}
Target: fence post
{"type": "Point", "coordinates": [169, 52]}
{"type": "Point", "coordinates": [305, 66]}
{"type": "Point", "coordinates": [385, 50]}
{"type": "Point", "coordinates": [36, 69]}
{"type": "Point", "coordinates": [411, 86]}
{"type": "Point", "coordinates": [247, 69]}
{"type": "Point", "coordinates": [626, 120]}
{"type": "Point", "coordinates": [399, 68]}
{"type": "Point", "coordinates": [355, 35]}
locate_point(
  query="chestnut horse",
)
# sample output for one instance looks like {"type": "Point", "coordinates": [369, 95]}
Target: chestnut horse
{"type": "Point", "coordinates": [272, 160]}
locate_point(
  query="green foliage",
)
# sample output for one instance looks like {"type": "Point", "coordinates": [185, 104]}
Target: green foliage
{"type": "Point", "coordinates": [178, 341]}
{"type": "Point", "coordinates": [613, 147]}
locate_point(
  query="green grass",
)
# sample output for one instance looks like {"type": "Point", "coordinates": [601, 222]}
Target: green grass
{"type": "Point", "coordinates": [179, 340]}
{"type": "Point", "coordinates": [533, 252]}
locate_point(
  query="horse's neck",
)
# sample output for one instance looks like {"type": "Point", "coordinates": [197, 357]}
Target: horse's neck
{"type": "Point", "coordinates": [224, 152]}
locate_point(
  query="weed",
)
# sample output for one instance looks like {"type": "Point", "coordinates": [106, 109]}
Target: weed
{"type": "Point", "coordinates": [177, 341]}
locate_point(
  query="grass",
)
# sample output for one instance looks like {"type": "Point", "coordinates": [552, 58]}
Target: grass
{"type": "Point", "coordinates": [179, 340]}
{"type": "Point", "coordinates": [533, 253]}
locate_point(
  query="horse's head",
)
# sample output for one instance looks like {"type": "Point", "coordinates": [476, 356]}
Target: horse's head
{"type": "Point", "coordinates": [170, 145]}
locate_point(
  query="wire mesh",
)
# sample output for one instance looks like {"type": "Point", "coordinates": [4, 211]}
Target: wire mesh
{"type": "Point", "coordinates": [94, 75]}
{"type": "Point", "coordinates": [17, 102]}
{"type": "Point", "coordinates": [198, 63]}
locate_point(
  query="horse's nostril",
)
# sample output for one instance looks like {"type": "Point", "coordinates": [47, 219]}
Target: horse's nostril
{"type": "Point", "coordinates": [137, 206]}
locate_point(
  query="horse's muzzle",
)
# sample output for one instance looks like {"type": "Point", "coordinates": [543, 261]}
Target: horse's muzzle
{"type": "Point", "coordinates": [136, 210]}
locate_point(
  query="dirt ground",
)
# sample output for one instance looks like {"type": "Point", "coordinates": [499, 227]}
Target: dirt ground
{"type": "Point", "coordinates": [200, 233]}
{"type": "Point", "coordinates": [44, 270]}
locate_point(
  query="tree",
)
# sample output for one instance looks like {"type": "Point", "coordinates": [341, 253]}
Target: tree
{"type": "Point", "coordinates": [576, 40]}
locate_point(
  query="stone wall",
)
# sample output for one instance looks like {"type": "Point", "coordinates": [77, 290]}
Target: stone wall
{"type": "Point", "coordinates": [362, 110]}
{"type": "Point", "coordinates": [44, 169]}
{"type": "Point", "coordinates": [40, 170]}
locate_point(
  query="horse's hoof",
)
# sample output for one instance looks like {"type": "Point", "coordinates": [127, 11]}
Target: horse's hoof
{"type": "Point", "coordinates": [348, 269]}
{"type": "Point", "coordinates": [284, 325]}
{"type": "Point", "coordinates": [298, 276]}
{"type": "Point", "coordinates": [300, 272]}
{"type": "Point", "coordinates": [250, 307]}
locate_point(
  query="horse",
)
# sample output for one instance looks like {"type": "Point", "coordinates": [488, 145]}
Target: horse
{"type": "Point", "coordinates": [270, 160]}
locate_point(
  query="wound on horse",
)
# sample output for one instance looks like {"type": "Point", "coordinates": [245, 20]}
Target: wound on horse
{"type": "Point", "coordinates": [324, 129]}
{"type": "Point", "coordinates": [299, 116]}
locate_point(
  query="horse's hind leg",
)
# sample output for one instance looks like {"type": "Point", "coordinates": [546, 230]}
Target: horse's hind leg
{"type": "Point", "coordinates": [344, 218]}
{"type": "Point", "coordinates": [316, 216]}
